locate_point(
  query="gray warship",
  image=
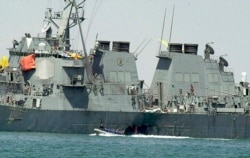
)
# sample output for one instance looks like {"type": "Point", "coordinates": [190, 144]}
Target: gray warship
{"type": "Point", "coordinates": [48, 87]}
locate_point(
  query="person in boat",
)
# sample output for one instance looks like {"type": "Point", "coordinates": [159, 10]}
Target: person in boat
{"type": "Point", "coordinates": [101, 126]}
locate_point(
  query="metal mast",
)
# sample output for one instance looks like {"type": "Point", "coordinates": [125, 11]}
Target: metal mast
{"type": "Point", "coordinates": [85, 61]}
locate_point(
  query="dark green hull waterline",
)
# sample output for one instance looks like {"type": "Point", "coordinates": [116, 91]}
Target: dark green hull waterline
{"type": "Point", "coordinates": [83, 122]}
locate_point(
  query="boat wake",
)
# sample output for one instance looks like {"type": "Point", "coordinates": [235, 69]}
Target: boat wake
{"type": "Point", "coordinates": [138, 136]}
{"type": "Point", "coordinates": [176, 137]}
{"type": "Point", "coordinates": [158, 136]}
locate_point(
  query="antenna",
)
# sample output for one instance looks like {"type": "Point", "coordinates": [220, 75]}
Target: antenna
{"type": "Point", "coordinates": [96, 37]}
{"type": "Point", "coordinates": [171, 27]}
{"type": "Point", "coordinates": [137, 54]}
{"type": "Point", "coordinates": [139, 46]}
{"type": "Point", "coordinates": [93, 14]}
{"type": "Point", "coordinates": [162, 30]}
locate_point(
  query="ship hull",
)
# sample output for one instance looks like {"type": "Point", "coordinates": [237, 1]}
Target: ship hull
{"type": "Point", "coordinates": [83, 122]}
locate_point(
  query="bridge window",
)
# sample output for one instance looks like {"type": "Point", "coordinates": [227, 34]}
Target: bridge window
{"type": "Point", "coordinates": [213, 78]}
{"type": "Point", "coordinates": [119, 76]}
{"type": "Point", "coordinates": [195, 77]}
{"type": "Point", "coordinates": [187, 77]}
{"type": "Point", "coordinates": [113, 77]}
{"type": "Point", "coordinates": [127, 77]}
{"type": "Point", "coordinates": [178, 77]}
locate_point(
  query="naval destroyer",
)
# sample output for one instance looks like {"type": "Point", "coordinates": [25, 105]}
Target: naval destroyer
{"type": "Point", "coordinates": [46, 86]}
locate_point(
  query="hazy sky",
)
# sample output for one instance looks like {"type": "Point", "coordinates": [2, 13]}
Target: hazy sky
{"type": "Point", "coordinates": [224, 22]}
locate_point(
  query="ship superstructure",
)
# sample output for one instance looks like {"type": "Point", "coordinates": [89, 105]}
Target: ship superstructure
{"type": "Point", "coordinates": [187, 82]}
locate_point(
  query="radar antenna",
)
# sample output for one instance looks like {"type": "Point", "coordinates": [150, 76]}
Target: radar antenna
{"type": "Point", "coordinates": [208, 50]}
{"type": "Point", "coordinates": [222, 63]}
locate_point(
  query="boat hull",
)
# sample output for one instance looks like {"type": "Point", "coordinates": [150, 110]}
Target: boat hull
{"type": "Point", "coordinates": [83, 122]}
{"type": "Point", "coordinates": [107, 131]}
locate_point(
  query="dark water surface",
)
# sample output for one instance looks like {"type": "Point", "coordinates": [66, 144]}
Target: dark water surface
{"type": "Point", "coordinates": [15, 144]}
